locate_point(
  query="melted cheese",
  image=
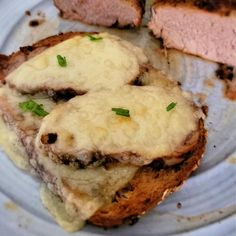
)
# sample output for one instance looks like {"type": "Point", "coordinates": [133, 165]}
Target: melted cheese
{"type": "Point", "coordinates": [57, 208]}
{"type": "Point", "coordinates": [83, 191]}
{"type": "Point", "coordinates": [150, 132]}
{"type": "Point", "coordinates": [9, 106]}
{"type": "Point", "coordinates": [91, 65]}
{"type": "Point", "coordinates": [9, 100]}
{"type": "Point", "coordinates": [9, 103]}
{"type": "Point", "coordinates": [12, 147]}
{"type": "Point", "coordinates": [86, 190]}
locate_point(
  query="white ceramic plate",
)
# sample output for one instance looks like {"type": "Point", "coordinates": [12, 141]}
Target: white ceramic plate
{"type": "Point", "coordinates": [208, 198]}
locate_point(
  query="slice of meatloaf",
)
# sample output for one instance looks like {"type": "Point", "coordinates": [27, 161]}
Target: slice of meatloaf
{"type": "Point", "coordinates": [199, 27]}
{"type": "Point", "coordinates": [103, 12]}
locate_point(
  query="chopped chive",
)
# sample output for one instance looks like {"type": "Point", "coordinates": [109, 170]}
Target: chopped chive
{"type": "Point", "coordinates": [121, 112]}
{"type": "Point", "coordinates": [92, 38]}
{"type": "Point", "coordinates": [33, 107]}
{"type": "Point", "coordinates": [171, 106]}
{"type": "Point", "coordinates": [61, 61]}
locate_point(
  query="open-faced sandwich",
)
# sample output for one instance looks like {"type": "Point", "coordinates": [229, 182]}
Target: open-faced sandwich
{"type": "Point", "coordinates": [110, 136]}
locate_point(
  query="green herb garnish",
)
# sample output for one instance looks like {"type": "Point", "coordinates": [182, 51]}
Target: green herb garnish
{"type": "Point", "coordinates": [33, 107]}
{"type": "Point", "coordinates": [171, 106]}
{"type": "Point", "coordinates": [61, 61]}
{"type": "Point", "coordinates": [121, 112]}
{"type": "Point", "coordinates": [92, 38]}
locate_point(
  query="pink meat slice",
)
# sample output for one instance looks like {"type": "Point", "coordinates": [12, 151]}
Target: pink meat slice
{"type": "Point", "coordinates": [208, 33]}
{"type": "Point", "coordinates": [102, 12]}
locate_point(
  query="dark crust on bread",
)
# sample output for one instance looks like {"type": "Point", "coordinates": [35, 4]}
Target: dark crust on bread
{"type": "Point", "coordinates": [219, 6]}
{"type": "Point", "coordinates": [149, 187]}
{"type": "Point", "coordinates": [139, 6]}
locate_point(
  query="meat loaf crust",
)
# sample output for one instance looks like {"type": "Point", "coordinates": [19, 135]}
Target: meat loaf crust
{"type": "Point", "coordinates": [108, 18]}
{"type": "Point", "coordinates": [149, 187]}
{"type": "Point", "coordinates": [219, 6]}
